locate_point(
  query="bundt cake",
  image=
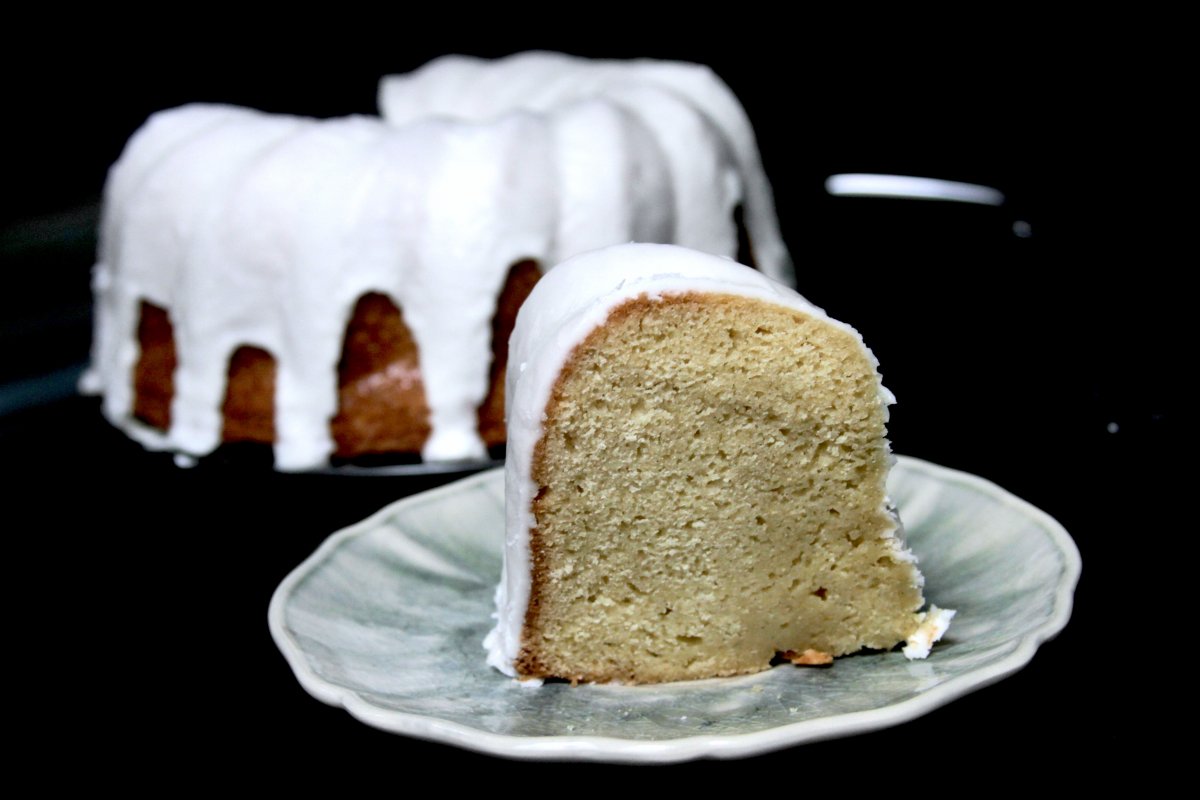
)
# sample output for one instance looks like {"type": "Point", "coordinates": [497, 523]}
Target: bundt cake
{"type": "Point", "coordinates": [619, 130]}
{"type": "Point", "coordinates": [344, 287]}
{"type": "Point", "coordinates": [695, 479]}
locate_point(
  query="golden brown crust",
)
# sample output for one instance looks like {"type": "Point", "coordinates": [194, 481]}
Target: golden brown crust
{"type": "Point", "coordinates": [809, 657]}
{"type": "Point", "coordinates": [249, 407]}
{"type": "Point", "coordinates": [381, 396]}
{"type": "Point", "coordinates": [154, 373]}
{"type": "Point", "coordinates": [528, 663]}
{"type": "Point", "coordinates": [517, 286]}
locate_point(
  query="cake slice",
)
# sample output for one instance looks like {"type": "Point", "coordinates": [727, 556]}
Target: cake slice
{"type": "Point", "coordinates": [695, 479]}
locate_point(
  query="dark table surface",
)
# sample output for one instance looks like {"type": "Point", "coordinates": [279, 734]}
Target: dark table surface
{"type": "Point", "coordinates": [138, 591]}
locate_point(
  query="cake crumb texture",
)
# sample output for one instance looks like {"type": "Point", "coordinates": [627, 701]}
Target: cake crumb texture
{"type": "Point", "coordinates": [711, 493]}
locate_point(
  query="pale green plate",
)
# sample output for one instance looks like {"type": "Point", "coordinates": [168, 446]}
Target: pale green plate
{"type": "Point", "coordinates": [387, 619]}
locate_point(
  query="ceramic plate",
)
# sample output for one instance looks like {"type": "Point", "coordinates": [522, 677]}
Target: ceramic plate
{"type": "Point", "coordinates": [387, 618]}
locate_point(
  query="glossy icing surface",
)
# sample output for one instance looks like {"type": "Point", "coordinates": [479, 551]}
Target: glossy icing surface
{"type": "Point", "coordinates": [680, 122]}
{"type": "Point", "coordinates": [261, 230]}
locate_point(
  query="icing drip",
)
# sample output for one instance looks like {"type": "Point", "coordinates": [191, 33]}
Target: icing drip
{"type": "Point", "coordinates": [262, 231]}
{"type": "Point", "coordinates": [679, 104]}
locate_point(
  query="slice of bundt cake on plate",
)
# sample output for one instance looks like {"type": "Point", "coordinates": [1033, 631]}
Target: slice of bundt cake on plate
{"type": "Point", "coordinates": [695, 479]}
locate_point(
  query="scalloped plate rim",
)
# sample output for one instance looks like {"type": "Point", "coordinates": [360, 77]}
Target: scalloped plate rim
{"type": "Point", "coordinates": [614, 750]}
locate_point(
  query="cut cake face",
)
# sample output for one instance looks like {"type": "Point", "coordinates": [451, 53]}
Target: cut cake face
{"type": "Point", "coordinates": [696, 478]}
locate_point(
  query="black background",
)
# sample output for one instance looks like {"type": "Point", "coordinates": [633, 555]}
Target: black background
{"type": "Point", "coordinates": [1044, 363]}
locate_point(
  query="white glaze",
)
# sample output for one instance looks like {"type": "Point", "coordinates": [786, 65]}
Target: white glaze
{"type": "Point", "coordinates": [565, 306]}
{"type": "Point", "coordinates": [686, 109]}
{"type": "Point", "coordinates": [262, 230]}
{"type": "Point", "coordinates": [934, 624]}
